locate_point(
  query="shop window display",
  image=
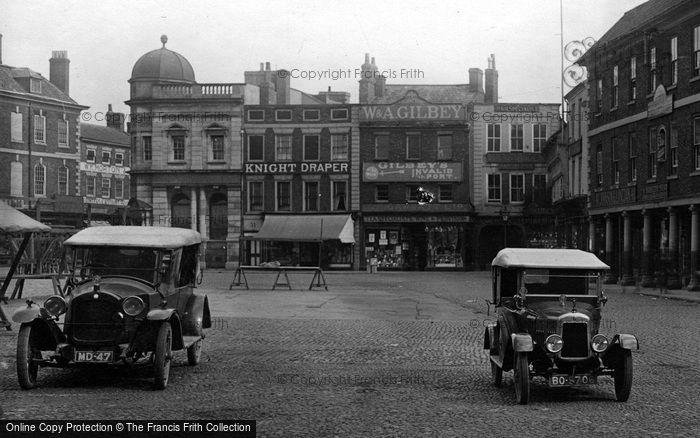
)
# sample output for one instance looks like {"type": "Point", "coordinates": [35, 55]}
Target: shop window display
{"type": "Point", "coordinates": [385, 245]}
{"type": "Point", "coordinates": [444, 247]}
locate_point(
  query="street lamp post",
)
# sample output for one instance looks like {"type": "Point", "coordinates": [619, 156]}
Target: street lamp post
{"type": "Point", "coordinates": [505, 215]}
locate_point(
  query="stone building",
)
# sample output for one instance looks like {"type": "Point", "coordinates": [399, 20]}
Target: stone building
{"type": "Point", "coordinates": [39, 142]}
{"type": "Point", "coordinates": [644, 135]}
{"type": "Point", "coordinates": [186, 143]}
{"type": "Point", "coordinates": [510, 170]}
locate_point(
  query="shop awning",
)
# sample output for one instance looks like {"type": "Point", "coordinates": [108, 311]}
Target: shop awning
{"type": "Point", "coordinates": [307, 228]}
{"type": "Point", "coordinates": [14, 221]}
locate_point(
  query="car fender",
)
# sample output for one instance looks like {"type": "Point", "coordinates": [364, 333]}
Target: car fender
{"type": "Point", "coordinates": [196, 316]}
{"type": "Point", "coordinates": [27, 314]}
{"type": "Point", "coordinates": [158, 316]}
{"type": "Point", "coordinates": [522, 342]}
{"type": "Point", "coordinates": [46, 333]}
{"type": "Point", "coordinates": [626, 341]}
{"type": "Point", "coordinates": [490, 338]}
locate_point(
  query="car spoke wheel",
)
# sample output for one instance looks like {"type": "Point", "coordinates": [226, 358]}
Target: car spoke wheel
{"type": "Point", "coordinates": [27, 369]}
{"type": "Point", "coordinates": [496, 374]}
{"type": "Point", "coordinates": [521, 377]}
{"type": "Point", "coordinates": [163, 355]}
{"type": "Point", "coordinates": [194, 352]}
{"type": "Point", "coordinates": [623, 377]}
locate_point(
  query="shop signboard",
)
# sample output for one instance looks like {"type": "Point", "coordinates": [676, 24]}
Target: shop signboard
{"type": "Point", "coordinates": [412, 171]}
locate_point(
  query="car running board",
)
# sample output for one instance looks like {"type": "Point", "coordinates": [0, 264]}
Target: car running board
{"type": "Point", "coordinates": [189, 340]}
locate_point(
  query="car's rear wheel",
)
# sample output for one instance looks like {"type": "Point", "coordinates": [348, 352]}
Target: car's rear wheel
{"type": "Point", "coordinates": [521, 377]}
{"type": "Point", "coordinates": [623, 377]}
{"type": "Point", "coordinates": [27, 369]}
{"type": "Point", "coordinates": [496, 374]}
{"type": "Point", "coordinates": [194, 353]}
{"type": "Point", "coordinates": [163, 355]}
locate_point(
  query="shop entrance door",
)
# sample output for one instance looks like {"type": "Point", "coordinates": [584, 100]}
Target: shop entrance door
{"type": "Point", "coordinates": [419, 247]}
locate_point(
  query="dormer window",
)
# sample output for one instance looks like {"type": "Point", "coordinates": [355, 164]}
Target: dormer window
{"type": "Point", "coordinates": [34, 85]}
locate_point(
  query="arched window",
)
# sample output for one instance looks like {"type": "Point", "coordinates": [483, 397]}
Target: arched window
{"type": "Point", "coordinates": [218, 217]}
{"type": "Point", "coordinates": [39, 180]}
{"type": "Point", "coordinates": [180, 207]}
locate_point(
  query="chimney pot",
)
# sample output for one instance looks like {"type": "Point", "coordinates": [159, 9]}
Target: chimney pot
{"type": "Point", "coordinates": [267, 66]}
{"type": "Point", "coordinates": [262, 66]}
{"type": "Point", "coordinates": [366, 58]}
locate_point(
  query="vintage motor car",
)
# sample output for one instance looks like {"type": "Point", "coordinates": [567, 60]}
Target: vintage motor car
{"type": "Point", "coordinates": [548, 305]}
{"type": "Point", "coordinates": [129, 300]}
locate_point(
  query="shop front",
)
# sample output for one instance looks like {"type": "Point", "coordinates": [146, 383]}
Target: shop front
{"type": "Point", "coordinates": [303, 240]}
{"type": "Point", "coordinates": [415, 243]}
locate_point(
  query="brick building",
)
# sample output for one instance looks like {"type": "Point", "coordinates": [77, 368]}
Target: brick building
{"type": "Point", "coordinates": [644, 135]}
{"type": "Point", "coordinates": [186, 160]}
{"type": "Point", "coordinates": [39, 142]}
{"type": "Point", "coordinates": [104, 168]}
{"type": "Point", "coordinates": [415, 136]}
{"type": "Point", "coordinates": [301, 177]}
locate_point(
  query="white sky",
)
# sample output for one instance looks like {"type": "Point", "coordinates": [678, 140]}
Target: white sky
{"type": "Point", "coordinates": [223, 39]}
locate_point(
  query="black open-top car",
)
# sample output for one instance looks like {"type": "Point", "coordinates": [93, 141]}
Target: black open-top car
{"type": "Point", "coordinates": [129, 300]}
{"type": "Point", "coordinates": [548, 303]}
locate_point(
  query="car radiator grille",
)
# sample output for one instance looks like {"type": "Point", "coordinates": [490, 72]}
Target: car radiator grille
{"type": "Point", "coordinates": [575, 336]}
{"type": "Point", "coordinates": [95, 320]}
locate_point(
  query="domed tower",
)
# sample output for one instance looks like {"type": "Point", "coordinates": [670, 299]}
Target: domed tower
{"type": "Point", "coordinates": [159, 66]}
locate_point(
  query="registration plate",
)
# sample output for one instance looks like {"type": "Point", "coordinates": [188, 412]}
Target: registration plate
{"type": "Point", "coordinates": [568, 380]}
{"type": "Point", "coordinates": [93, 356]}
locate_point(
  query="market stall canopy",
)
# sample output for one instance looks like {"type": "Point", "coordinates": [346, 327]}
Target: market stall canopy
{"type": "Point", "coordinates": [14, 221]}
{"type": "Point", "coordinates": [307, 228]}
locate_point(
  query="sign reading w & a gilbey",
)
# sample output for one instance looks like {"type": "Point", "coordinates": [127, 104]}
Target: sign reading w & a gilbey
{"type": "Point", "coordinates": [412, 107]}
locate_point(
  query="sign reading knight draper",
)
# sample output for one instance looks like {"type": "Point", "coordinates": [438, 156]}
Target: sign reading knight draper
{"type": "Point", "coordinates": [420, 171]}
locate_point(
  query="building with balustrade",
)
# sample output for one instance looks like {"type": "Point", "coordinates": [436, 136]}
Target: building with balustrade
{"type": "Point", "coordinates": [644, 136]}
{"type": "Point", "coordinates": [186, 143]}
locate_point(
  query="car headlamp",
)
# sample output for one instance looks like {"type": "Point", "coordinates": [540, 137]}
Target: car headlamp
{"type": "Point", "coordinates": [55, 305]}
{"type": "Point", "coordinates": [554, 343]}
{"type": "Point", "coordinates": [133, 305]}
{"type": "Point", "coordinates": [599, 343]}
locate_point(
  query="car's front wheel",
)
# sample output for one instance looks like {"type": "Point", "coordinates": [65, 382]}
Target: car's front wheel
{"type": "Point", "coordinates": [27, 368]}
{"type": "Point", "coordinates": [521, 377]}
{"type": "Point", "coordinates": [163, 355]}
{"type": "Point", "coordinates": [194, 353]}
{"type": "Point", "coordinates": [623, 377]}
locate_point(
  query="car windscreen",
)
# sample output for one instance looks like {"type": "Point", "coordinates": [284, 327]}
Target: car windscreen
{"type": "Point", "coordinates": [108, 260]}
{"type": "Point", "coordinates": [560, 281]}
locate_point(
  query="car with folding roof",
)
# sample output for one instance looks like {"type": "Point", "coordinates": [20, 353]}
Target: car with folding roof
{"type": "Point", "coordinates": [129, 300]}
{"type": "Point", "coordinates": [549, 307]}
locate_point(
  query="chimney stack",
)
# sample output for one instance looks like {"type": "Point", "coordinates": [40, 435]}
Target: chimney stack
{"type": "Point", "coordinates": [115, 120]}
{"type": "Point", "coordinates": [476, 80]}
{"type": "Point", "coordinates": [58, 70]}
{"type": "Point", "coordinates": [491, 92]}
